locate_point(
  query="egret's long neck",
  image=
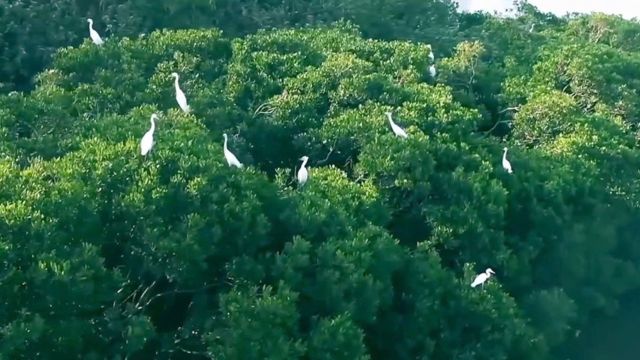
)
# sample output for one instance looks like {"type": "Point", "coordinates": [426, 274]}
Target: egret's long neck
{"type": "Point", "coordinates": [504, 155]}
{"type": "Point", "coordinates": [153, 124]}
{"type": "Point", "coordinates": [225, 143]}
{"type": "Point", "coordinates": [90, 25]}
{"type": "Point", "coordinates": [176, 84]}
{"type": "Point", "coordinates": [390, 119]}
{"type": "Point", "coordinates": [304, 162]}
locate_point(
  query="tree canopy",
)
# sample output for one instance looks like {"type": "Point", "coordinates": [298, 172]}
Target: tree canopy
{"type": "Point", "coordinates": [107, 254]}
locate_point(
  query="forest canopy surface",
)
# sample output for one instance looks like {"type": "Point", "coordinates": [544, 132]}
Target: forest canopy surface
{"type": "Point", "coordinates": [107, 254]}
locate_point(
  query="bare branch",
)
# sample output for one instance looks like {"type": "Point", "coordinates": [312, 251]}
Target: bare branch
{"type": "Point", "coordinates": [496, 125]}
{"type": "Point", "coordinates": [514, 108]}
{"type": "Point", "coordinates": [115, 301]}
{"type": "Point", "coordinates": [188, 291]}
{"type": "Point", "coordinates": [348, 163]}
{"type": "Point", "coordinates": [144, 293]}
{"type": "Point", "coordinates": [190, 352]}
{"type": "Point", "coordinates": [359, 178]}
{"type": "Point", "coordinates": [331, 148]}
{"type": "Point", "coordinates": [132, 295]}
{"type": "Point", "coordinates": [473, 73]}
{"type": "Point", "coordinates": [264, 109]}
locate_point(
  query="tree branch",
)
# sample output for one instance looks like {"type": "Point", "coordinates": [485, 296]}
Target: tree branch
{"type": "Point", "coordinates": [331, 148]}
{"type": "Point", "coordinates": [264, 109]}
{"type": "Point", "coordinates": [132, 295]}
{"type": "Point", "coordinates": [496, 125]}
{"type": "Point", "coordinates": [145, 293]}
{"type": "Point", "coordinates": [156, 296]}
{"type": "Point", "coordinates": [513, 108]}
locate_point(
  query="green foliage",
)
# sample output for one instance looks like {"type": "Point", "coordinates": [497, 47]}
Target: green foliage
{"type": "Point", "coordinates": [105, 253]}
{"type": "Point", "coordinates": [34, 29]}
{"type": "Point", "coordinates": [257, 324]}
{"type": "Point", "coordinates": [545, 116]}
{"type": "Point", "coordinates": [553, 312]}
{"type": "Point", "coordinates": [337, 338]}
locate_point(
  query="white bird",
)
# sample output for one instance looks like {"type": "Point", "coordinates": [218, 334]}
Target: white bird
{"type": "Point", "coordinates": [505, 163]}
{"type": "Point", "coordinates": [431, 57]}
{"type": "Point", "coordinates": [482, 277]}
{"type": "Point", "coordinates": [180, 97]}
{"type": "Point", "coordinates": [303, 174]}
{"type": "Point", "coordinates": [432, 70]}
{"type": "Point", "coordinates": [396, 129]}
{"type": "Point", "coordinates": [147, 140]}
{"type": "Point", "coordinates": [232, 160]}
{"type": "Point", "coordinates": [95, 37]}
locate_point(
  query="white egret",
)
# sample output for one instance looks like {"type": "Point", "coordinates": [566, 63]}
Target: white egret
{"type": "Point", "coordinates": [505, 163]}
{"type": "Point", "coordinates": [232, 160]}
{"type": "Point", "coordinates": [432, 70]}
{"type": "Point", "coordinates": [396, 129]}
{"type": "Point", "coordinates": [180, 97]}
{"type": "Point", "coordinates": [303, 174]}
{"type": "Point", "coordinates": [95, 37]}
{"type": "Point", "coordinates": [147, 140]}
{"type": "Point", "coordinates": [431, 56]}
{"type": "Point", "coordinates": [482, 277]}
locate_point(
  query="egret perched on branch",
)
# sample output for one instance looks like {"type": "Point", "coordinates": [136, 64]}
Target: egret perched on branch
{"type": "Point", "coordinates": [147, 140]}
{"type": "Point", "coordinates": [232, 160]}
{"type": "Point", "coordinates": [505, 163]}
{"type": "Point", "coordinates": [396, 129]}
{"type": "Point", "coordinates": [180, 97]}
{"type": "Point", "coordinates": [432, 70]}
{"type": "Point", "coordinates": [303, 174]}
{"type": "Point", "coordinates": [482, 277]}
{"type": "Point", "coordinates": [95, 37]}
{"type": "Point", "coordinates": [431, 57]}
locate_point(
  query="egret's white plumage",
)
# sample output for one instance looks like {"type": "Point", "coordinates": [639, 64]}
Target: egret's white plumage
{"type": "Point", "coordinates": [431, 56]}
{"type": "Point", "coordinates": [505, 163]}
{"type": "Point", "coordinates": [482, 277]}
{"type": "Point", "coordinates": [396, 129]}
{"type": "Point", "coordinates": [303, 174]}
{"type": "Point", "coordinates": [232, 160]}
{"type": "Point", "coordinates": [95, 37]}
{"type": "Point", "coordinates": [180, 97]}
{"type": "Point", "coordinates": [147, 140]}
{"type": "Point", "coordinates": [432, 70]}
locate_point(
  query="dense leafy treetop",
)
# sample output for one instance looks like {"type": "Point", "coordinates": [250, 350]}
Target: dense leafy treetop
{"type": "Point", "coordinates": [32, 30]}
{"type": "Point", "coordinates": [108, 254]}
